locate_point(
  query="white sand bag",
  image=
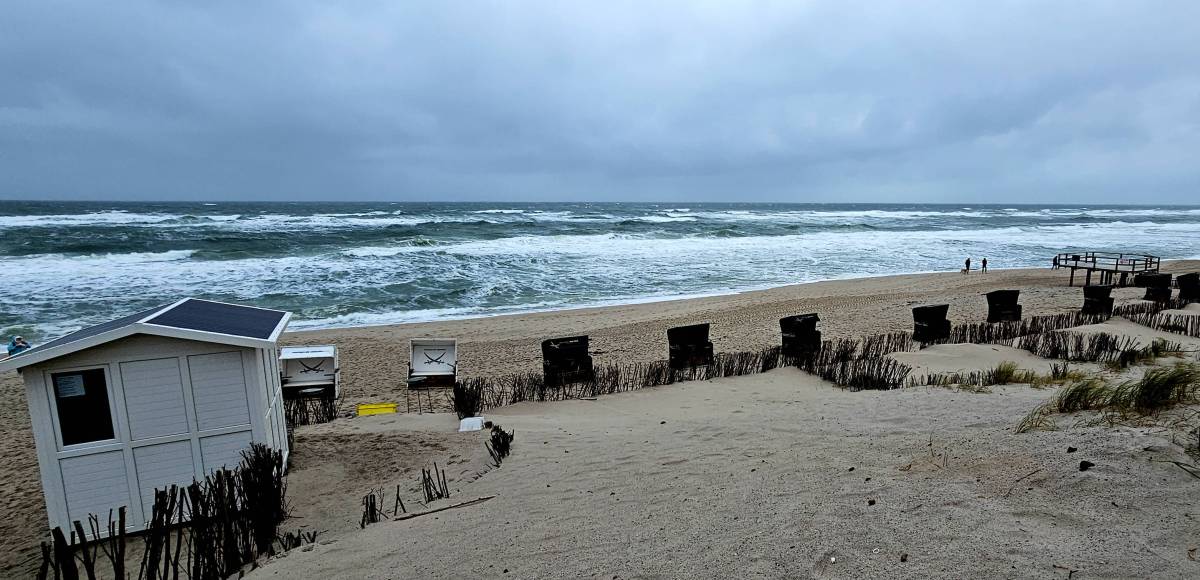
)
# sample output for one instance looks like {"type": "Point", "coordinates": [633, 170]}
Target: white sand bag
{"type": "Point", "coordinates": [470, 424]}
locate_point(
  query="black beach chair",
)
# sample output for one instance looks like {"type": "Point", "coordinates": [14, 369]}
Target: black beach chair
{"type": "Point", "coordinates": [566, 361]}
{"type": "Point", "coordinates": [1189, 287]}
{"type": "Point", "coordinates": [1158, 287]}
{"type": "Point", "coordinates": [930, 323]}
{"type": "Point", "coordinates": [688, 346]}
{"type": "Point", "coordinates": [1097, 300]}
{"type": "Point", "coordinates": [800, 334]}
{"type": "Point", "coordinates": [1003, 307]}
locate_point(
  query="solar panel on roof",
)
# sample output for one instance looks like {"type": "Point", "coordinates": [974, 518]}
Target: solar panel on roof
{"type": "Point", "coordinates": [229, 319]}
{"type": "Point", "coordinates": [92, 331]}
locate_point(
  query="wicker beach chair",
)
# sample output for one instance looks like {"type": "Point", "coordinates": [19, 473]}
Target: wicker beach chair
{"type": "Point", "coordinates": [688, 346]}
{"type": "Point", "coordinates": [1158, 287]}
{"type": "Point", "coordinates": [566, 361]}
{"type": "Point", "coordinates": [1189, 287]}
{"type": "Point", "coordinates": [930, 323]}
{"type": "Point", "coordinates": [433, 362]}
{"type": "Point", "coordinates": [1097, 300]}
{"type": "Point", "coordinates": [1002, 306]}
{"type": "Point", "coordinates": [800, 334]}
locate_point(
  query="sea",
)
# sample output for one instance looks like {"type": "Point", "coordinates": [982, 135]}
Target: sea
{"type": "Point", "coordinates": [70, 264]}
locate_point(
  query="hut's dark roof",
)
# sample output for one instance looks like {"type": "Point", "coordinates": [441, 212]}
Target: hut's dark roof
{"type": "Point", "coordinates": [89, 332]}
{"type": "Point", "coordinates": [232, 319]}
{"type": "Point", "coordinates": [194, 315]}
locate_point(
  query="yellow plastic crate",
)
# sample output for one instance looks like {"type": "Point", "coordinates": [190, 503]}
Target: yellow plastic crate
{"type": "Point", "coordinates": [365, 409]}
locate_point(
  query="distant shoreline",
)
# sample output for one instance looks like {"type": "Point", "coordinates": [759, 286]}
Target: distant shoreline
{"type": "Point", "coordinates": [375, 358]}
{"type": "Point", "coordinates": [1167, 265]}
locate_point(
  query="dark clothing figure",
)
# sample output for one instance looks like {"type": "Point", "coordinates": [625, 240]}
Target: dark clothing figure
{"type": "Point", "coordinates": [967, 266]}
{"type": "Point", "coordinates": [17, 345]}
{"type": "Point", "coordinates": [983, 266]}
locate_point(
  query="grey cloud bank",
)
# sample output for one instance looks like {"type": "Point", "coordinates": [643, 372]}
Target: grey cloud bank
{"type": "Point", "coordinates": [1002, 102]}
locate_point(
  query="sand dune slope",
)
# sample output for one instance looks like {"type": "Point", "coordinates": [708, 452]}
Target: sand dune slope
{"type": "Point", "coordinates": [780, 475]}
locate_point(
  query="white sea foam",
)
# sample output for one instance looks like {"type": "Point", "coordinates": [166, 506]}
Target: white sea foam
{"type": "Point", "coordinates": [662, 219]}
{"type": "Point", "coordinates": [116, 217]}
{"type": "Point", "coordinates": [673, 254]}
{"type": "Point", "coordinates": [379, 219]}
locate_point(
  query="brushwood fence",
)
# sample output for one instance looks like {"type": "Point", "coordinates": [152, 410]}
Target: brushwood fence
{"type": "Point", "coordinates": [1154, 315]}
{"type": "Point", "coordinates": [853, 363]}
{"type": "Point", "coordinates": [1007, 332]}
{"type": "Point", "coordinates": [208, 530]}
{"type": "Point", "coordinates": [310, 410]}
{"type": "Point", "coordinates": [1096, 347]}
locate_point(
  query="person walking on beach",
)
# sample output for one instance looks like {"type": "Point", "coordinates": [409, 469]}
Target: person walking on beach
{"type": "Point", "coordinates": [967, 266]}
{"type": "Point", "coordinates": [983, 266]}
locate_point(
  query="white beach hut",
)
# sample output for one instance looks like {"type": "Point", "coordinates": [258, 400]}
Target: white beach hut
{"type": "Point", "coordinates": [310, 371]}
{"type": "Point", "coordinates": [157, 398]}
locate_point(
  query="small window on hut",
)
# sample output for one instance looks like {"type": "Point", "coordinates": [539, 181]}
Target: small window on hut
{"type": "Point", "coordinates": [81, 398]}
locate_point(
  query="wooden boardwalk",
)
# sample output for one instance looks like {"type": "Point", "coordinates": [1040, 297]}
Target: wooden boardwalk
{"type": "Point", "coordinates": [1107, 264]}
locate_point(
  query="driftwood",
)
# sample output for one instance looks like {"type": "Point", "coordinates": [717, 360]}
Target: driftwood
{"type": "Point", "coordinates": [442, 509]}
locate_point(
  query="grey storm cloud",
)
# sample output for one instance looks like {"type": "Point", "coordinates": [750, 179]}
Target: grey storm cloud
{"type": "Point", "coordinates": [783, 101]}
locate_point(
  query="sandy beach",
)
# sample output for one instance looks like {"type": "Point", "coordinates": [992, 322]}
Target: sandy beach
{"type": "Point", "coordinates": [375, 359]}
{"type": "Point", "coordinates": [781, 476]}
{"type": "Point", "coordinates": [770, 475]}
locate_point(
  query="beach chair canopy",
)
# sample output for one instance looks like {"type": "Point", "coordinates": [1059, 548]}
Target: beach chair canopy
{"type": "Point", "coordinates": [565, 349]}
{"type": "Point", "coordinates": [1097, 292]}
{"type": "Point", "coordinates": [1152, 280]}
{"type": "Point", "coordinates": [433, 357]}
{"type": "Point", "coordinates": [306, 367]}
{"type": "Point", "coordinates": [693, 334]}
{"type": "Point", "coordinates": [931, 313]}
{"type": "Point", "coordinates": [566, 360]}
{"type": "Point", "coordinates": [799, 324]}
{"type": "Point", "coordinates": [1003, 297]}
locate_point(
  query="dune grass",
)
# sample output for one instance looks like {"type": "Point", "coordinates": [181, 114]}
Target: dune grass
{"type": "Point", "coordinates": [1158, 389]}
{"type": "Point", "coordinates": [1005, 373]}
{"type": "Point", "coordinates": [1038, 419]}
{"type": "Point", "coordinates": [1124, 358]}
{"type": "Point", "coordinates": [1060, 374]}
{"type": "Point", "coordinates": [1085, 395]}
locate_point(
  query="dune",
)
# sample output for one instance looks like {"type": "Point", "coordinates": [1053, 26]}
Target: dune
{"type": "Point", "coordinates": [966, 358]}
{"type": "Point", "coordinates": [1142, 335]}
{"type": "Point", "coordinates": [1192, 309]}
{"type": "Point", "coordinates": [782, 475]}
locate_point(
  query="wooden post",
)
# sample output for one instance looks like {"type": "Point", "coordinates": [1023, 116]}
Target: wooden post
{"type": "Point", "coordinates": [1072, 276]}
{"type": "Point", "coordinates": [1087, 281]}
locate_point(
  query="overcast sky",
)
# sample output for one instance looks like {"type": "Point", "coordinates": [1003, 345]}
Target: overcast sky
{"type": "Point", "coordinates": [732, 101]}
